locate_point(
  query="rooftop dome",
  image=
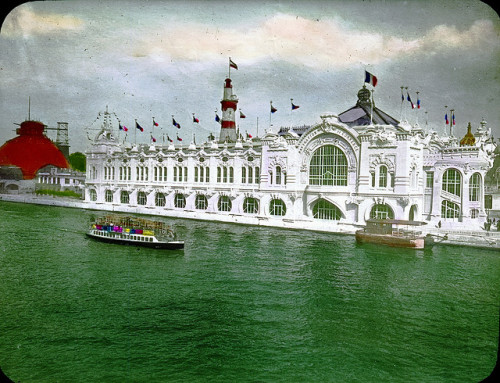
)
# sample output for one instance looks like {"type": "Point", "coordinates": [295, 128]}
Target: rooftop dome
{"type": "Point", "coordinates": [31, 150]}
{"type": "Point", "coordinates": [469, 139]}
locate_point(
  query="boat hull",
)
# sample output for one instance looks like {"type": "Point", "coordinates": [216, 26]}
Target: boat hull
{"type": "Point", "coordinates": [389, 240]}
{"type": "Point", "coordinates": [171, 245]}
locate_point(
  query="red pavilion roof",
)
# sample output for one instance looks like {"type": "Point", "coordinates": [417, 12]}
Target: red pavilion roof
{"type": "Point", "coordinates": [31, 150]}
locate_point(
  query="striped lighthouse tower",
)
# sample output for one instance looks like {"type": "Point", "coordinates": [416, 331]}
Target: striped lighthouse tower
{"type": "Point", "coordinates": [229, 104]}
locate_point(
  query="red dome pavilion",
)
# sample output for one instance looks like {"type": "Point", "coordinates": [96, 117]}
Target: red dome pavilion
{"type": "Point", "coordinates": [31, 150]}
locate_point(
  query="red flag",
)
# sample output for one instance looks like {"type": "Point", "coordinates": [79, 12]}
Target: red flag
{"type": "Point", "coordinates": [232, 64]}
{"type": "Point", "coordinates": [242, 115]}
{"type": "Point", "coordinates": [154, 122]}
{"type": "Point", "coordinates": [195, 119]}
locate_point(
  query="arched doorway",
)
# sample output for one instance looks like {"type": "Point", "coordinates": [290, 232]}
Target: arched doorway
{"type": "Point", "coordinates": [413, 213]}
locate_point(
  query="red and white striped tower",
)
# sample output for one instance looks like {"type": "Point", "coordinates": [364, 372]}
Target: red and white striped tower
{"type": "Point", "coordinates": [229, 105]}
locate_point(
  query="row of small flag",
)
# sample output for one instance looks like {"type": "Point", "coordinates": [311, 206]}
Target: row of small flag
{"type": "Point", "coordinates": [408, 98]}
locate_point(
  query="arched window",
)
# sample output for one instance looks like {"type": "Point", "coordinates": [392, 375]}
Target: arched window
{"type": "Point", "coordinates": [251, 205]}
{"type": "Point", "coordinates": [224, 170]}
{"type": "Point", "coordinates": [278, 175]}
{"type": "Point", "coordinates": [277, 207]}
{"type": "Point", "coordinates": [108, 196]}
{"type": "Point", "coordinates": [180, 201]}
{"type": "Point", "coordinates": [474, 187]}
{"type": "Point", "coordinates": [328, 166]}
{"type": "Point", "coordinates": [124, 197]}
{"type": "Point", "coordinates": [141, 198]}
{"type": "Point", "coordinates": [326, 210]}
{"type": "Point", "coordinates": [449, 209]}
{"type": "Point", "coordinates": [413, 212]}
{"type": "Point", "coordinates": [201, 202]}
{"type": "Point", "coordinates": [382, 177]}
{"type": "Point", "coordinates": [92, 195]}
{"type": "Point", "coordinates": [224, 203]}
{"type": "Point", "coordinates": [452, 181]}
{"type": "Point", "coordinates": [243, 175]}
{"type": "Point", "coordinates": [381, 211]}
{"type": "Point", "coordinates": [160, 199]}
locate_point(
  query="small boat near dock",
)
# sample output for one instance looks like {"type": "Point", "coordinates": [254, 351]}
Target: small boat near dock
{"type": "Point", "coordinates": [393, 232]}
{"type": "Point", "coordinates": [134, 231]}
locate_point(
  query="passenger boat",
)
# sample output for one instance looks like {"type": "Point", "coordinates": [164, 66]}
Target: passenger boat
{"type": "Point", "coordinates": [134, 231]}
{"type": "Point", "coordinates": [393, 232]}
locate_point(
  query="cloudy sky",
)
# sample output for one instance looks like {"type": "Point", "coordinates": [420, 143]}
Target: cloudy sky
{"type": "Point", "coordinates": [146, 59]}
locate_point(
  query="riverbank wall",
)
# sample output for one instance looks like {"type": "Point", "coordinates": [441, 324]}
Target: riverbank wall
{"type": "Point", "coordinates": [478, 238]}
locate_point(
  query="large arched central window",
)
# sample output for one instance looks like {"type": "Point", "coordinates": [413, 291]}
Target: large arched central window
{"type": "Point", "coordinates": [452, 181]}
{"type": "Point", "coordinates": [328, 166]}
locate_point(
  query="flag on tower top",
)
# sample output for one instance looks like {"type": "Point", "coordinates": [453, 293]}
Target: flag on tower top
{"type": "Point", "coordinates": [409, 99]}
{"type": "Point", "coordinates": [217, 119]}
{"type": "Point", "coordinates": [195, 119]}
{"type": "Point", "coordinates": [242, 115]}
{"type": "Point", "coordinates": [169, 139]}
{"type": "Point", "coordinates": [154, 122]}
{"type": "Point", "coordinates": [232, 64]}
{"type": "Point", "coordinates": [121, 127]}
{"type": "Point", "coordinates": [139, 127]}
{"type": "Point", "coordinates": [154, 139]}
{"type": "Point", "coordinates": [295, 106]}
{"type": "Point", "coordinates": [370, 79]}
{"type": "Point", "coordinates": [179, 139]}
{"type": "Point", "coordinates": [175, 123]}
{"type": "Point", "coordinates": [273, 109]}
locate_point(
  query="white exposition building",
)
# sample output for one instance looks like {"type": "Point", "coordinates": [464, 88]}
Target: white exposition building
{"type": "Point", "coordinates": [353, 166]}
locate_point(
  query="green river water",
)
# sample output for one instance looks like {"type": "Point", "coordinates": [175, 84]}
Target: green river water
{"type": "Point", "coordinates": [239, 304]}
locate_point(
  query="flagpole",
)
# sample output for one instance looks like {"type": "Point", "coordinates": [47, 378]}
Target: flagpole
{"type": "Point", "coordinates": [135, 133]}
{"type": "Point", "coordinates": [416, 113]}
{"type": "Point", "coordinates": [270, 115]}
{"type": "Point", "coordinates": [371, 113]}
{"type": "Point", "coordinates": [451, 122]}
{"type": "Point", "coordinates": [445, 120]}
{"type": "Point", "coordinates": [257, 127]}
{"type": "Point", "coordinates": [402, 101]}
{"type": "Point", "coordinates": [229, 73]}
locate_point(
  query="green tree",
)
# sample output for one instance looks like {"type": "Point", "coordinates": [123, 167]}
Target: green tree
{"type": "Point", "coordinates": [78, 161]}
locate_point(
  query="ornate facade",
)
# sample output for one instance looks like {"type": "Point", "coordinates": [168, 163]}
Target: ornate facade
{"type": "Point", "coordinates": [359, 164]}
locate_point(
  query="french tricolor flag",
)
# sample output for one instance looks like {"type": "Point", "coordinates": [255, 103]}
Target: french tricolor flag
{"type": "Point", "coordinates": [370, 79]}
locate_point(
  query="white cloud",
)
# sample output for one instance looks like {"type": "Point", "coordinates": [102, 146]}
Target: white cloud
{"type": "Point", "coordinates": [22, 21]}
{"type": "Point", "coordinates": [324, 43]}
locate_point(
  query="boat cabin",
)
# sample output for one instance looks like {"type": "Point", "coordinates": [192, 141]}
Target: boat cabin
{"type": "Point", "coordinates": [391, 226]}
